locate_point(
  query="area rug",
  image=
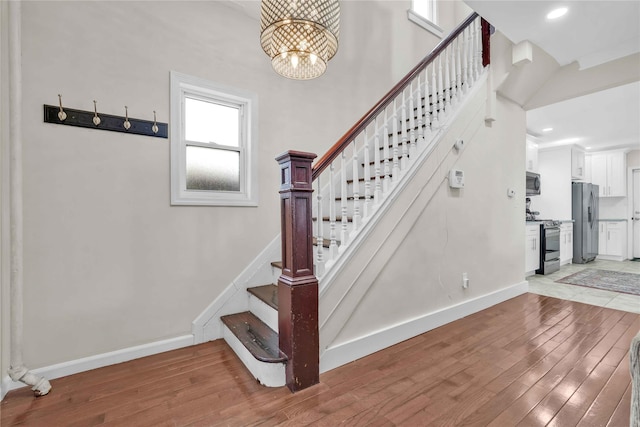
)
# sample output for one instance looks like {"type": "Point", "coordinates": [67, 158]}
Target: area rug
{"type": "Point", "coordinates": [617, 281]}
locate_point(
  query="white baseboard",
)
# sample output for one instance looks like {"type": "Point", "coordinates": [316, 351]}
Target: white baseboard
{"type": "Point", "coordinates": [100, 360]}
{"type": "Point", "coordinates": [347, 352]}
{"type": "Point", "coordinates": [4, 386]}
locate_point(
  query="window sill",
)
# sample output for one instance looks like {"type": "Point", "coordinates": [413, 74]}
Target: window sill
{"type": "Point", "coordinates": [425, 23]}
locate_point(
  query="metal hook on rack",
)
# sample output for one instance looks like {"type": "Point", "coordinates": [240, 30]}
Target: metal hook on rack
{"type": "Point", "coordinates": [154, 128]}
{"type": "Point", "coordinates": [61, 114]}
{"type": "Point", "coordinates": [96, 119]}
{"type": "Point", "coordinates": [127, 123]}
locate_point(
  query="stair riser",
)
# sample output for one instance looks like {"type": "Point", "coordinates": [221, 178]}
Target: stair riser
{"type": "Point", "coordinates": [264, 312]}
{"type": "Point", "coordinates": [268, 374]}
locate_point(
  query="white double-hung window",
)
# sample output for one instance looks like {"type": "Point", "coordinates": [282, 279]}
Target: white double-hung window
{"type": "Point", "coordinates": [213, 143]}
{"type": "Point", "coordinates": [425, 14]}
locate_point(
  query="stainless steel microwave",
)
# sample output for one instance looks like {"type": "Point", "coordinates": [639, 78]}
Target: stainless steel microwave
{"type": "Point", "coordinates": [533, 184]}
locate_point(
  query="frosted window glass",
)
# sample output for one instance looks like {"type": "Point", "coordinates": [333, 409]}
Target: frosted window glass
{"type": "Point", "coordinates": [210, 122]}
{"type": "Point", "coordinates": [212, 169]}
{"type": "Point", "coordinates": [424, 8]}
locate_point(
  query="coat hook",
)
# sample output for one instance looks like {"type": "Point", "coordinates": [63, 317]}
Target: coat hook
{"type": "Point", "coordinates": [127, 123]}
{"type": "Point", "coordinates": [61, 114]}
{"type": "Point", "coordinates": [154, 128]}
{"type": "Point", "coordinates": [96, 119]}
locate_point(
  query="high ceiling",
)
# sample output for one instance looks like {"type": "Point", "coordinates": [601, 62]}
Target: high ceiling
{"type": "Point", "coordinates": [591, 33]}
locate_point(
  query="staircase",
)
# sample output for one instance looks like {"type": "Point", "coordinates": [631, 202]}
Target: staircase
{"type": "Point", "coordinates": [355, 182]}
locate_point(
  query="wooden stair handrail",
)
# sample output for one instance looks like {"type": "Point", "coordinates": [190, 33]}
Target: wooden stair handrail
{"type": "Point", "coordinates": [361, 124]}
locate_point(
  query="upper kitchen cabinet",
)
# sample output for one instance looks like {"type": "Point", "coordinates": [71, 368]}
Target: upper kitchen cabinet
{"type": "Point", "coordinates": [608, 171]}
{"type": "Point", "coordinates": [578, 171]}
{"type": "Point", "coordinates": [532, 156]}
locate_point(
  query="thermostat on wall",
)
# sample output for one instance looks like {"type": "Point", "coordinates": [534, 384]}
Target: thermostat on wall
{"type": "Point", "coordinates": [456, 178]}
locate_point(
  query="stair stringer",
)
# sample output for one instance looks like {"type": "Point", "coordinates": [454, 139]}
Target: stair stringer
{"type": "Point", "coordinates": [349, 279]}
{"type": "Point", "coordinates": [235, 298]}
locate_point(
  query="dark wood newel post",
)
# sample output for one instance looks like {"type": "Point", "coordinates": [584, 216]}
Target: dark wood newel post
{"type": "Point", "coordinates": [298, 286]}
{"type": "Point", "coordinates": [486, 42]}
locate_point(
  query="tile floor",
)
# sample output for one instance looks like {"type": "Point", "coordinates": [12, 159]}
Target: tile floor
{"type": "Point", "coordinates": [546, 285]}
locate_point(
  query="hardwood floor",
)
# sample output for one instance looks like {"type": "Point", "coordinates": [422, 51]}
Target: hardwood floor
{"type": "Point", "coordinates": [530, 361]}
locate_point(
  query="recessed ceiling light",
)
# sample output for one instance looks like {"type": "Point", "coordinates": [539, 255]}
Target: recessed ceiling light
{"type": "Point", "coordinates": [557, 13]}
{"type": "Point", "coordinates": [547, 129]}
{"type": "Point", "coordinates": [588, 148]}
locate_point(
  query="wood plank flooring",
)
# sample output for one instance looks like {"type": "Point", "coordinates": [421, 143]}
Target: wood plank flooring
{"type": "Point", "coordinates": [530, 361]}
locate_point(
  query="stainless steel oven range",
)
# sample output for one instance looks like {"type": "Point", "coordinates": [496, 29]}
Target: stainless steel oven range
{"type": "Point", "coordinates": [549, 247]}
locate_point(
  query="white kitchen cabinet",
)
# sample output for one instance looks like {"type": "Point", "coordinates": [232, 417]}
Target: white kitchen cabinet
{"type": "Point", "coordinates": [578, 171]}
{"type": "Point", "coordinates": [566, 243]}
{"type": "Point", "coordinates": [532, 249]}
{"type": "Point", "coordinates": [532, 156]}
{"type": "Point", "coordinates": [612, 240]}
{"type": "Point", "coordinates": [608, 172]}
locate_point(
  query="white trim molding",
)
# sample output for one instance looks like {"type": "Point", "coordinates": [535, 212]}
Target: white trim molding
{"type": "Point", "coordinates": [344, 353]}
{"type": "Point", "coordinates": [101, 360]}
{"type": "Point", "coordinates": [420, 20]}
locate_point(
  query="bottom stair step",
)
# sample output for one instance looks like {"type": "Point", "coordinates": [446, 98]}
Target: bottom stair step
{"type": "Point", "coordinates": [257, 347]}
{"type": "Point", "coordinates": [257, 337]}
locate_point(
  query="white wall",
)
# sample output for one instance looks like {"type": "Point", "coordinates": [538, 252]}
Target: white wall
{"type": "Point", "coordinates": [477, 230]}
{"type": "Point", "coordinates": [109, 263]}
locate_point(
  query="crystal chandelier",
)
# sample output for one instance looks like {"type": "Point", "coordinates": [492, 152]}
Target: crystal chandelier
{"type": "Point", "coordinates": [300, 36]}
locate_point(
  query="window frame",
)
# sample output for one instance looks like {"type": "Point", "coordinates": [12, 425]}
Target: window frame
{"type": "Point", "coordinates": [429, 23]}
{"type": "Point", "coordinates": [183, 86]}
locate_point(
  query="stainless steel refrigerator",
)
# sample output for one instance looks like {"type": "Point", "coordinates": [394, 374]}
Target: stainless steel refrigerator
{"type": "Point", "coordinates": [584, 208]}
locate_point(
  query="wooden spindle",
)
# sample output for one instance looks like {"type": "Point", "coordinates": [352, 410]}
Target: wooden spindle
{"type": "Point", "coordinates": [395, 169]}
{"type": "Point", "coordinates": [427, 106]}
{"type": "Point", "coordinates": [377, 192]}
{"type": "Point", "coordinates": [403, 126]}
{"type": "Point", "coordinates": [434, 98]}
{"type": "Point", "coordinates": [412, 131]}
{"type": "Point", "coordinates": [367, 177]}
{"type": "Point", "coordinates": [447, 81]}
{"type": "Point", "coordinates": [469, 58]}
{"type": "Point", "coordinates": [344, 230]}
{"type": "Point", "coordinates": [454, 89]}
{"type": "Point", "coordinates": [333, 244]}
{"type": "Point", "coordinates": [319, 233]}
{"type": "Point", "coordinates": [440, 90]}
{"type": "Point", "coordinates": [355, 225]}
{"type": "Point", "coordinates": [459, 68]}
{"type": "Point", "coordinates": [420, 138]}
{"type": "Point", "coordinates": [385, 153]}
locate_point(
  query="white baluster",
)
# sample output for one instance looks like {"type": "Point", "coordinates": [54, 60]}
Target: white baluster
{"type": "Point", "coordinates": [396, 164]}
{"type": "Point", "coordinates": [420, 139]}
{"type": "Point", "coordinates": [440, 90]}
{"type": "Point", "coordinates": [447, 81]}
{"type": "Point", "coordinates": [344, 232]}
{"type": "Point", "coordinates": [465, 64]}
{"type": "Point", "coordinates": [377, 193]}
{"type": "Point", "coordinates": [403, 126]}
{"type": "Point", "coordinates": [458, 68]}
{"type": "Point", "coordinates": [385, 153]}
{"type": "Point", "coordinates": [470, 56]}
{"type": "Point", "coordinates": [412, 123]}
{"type": "Point", "coordinates": [367, 177]}
{"type": "Point", "coordinates": [454, 89]}
{"type": "Point", "coordinates": [427, 106]}
{"type": "Point", "coordinates": [356, 190]}
{"type": "Point", "coordinates": [333, 244]}
{"type": "Point", "coordinates": [434, 99]}
{"type": "Point", "coordinates": [478, 47]}
{"type": "Point", "coordinates": [319, 234]}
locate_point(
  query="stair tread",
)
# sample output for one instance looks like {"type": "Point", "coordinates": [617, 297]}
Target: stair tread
{"type": "Point", "coordinates": [267, 294]}
{"type": "Point", "coordinates": [325, 242]}
{"type": "Point", "coordinates": [256, 336]}
{"type": "Point", "coordinates": [277, 264]}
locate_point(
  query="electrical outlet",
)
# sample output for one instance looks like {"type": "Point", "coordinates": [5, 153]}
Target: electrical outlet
{"type": "Point", "coordinates": [465, 281]}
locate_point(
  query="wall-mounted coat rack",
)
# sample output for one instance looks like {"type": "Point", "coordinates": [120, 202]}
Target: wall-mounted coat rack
{"type": "Point", "coordinates": [95, 120]}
